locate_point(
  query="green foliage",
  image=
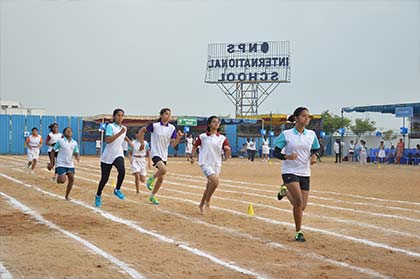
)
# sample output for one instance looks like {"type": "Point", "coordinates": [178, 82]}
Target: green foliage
{"type": "Point", "coordinates": [332, 122]}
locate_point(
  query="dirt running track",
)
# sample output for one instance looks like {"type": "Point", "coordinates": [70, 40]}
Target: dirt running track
{"type": "Point", "coordinates": [361, 222]}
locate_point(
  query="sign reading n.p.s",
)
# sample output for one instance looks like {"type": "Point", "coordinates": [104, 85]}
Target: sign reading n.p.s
{"type": "Point", "coordinates": [248, 62]}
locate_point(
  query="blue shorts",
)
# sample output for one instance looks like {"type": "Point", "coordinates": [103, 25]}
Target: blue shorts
{"type": "Point", "coordinates": [63, 170]}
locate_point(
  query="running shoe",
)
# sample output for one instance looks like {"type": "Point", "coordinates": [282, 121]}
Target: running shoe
{"type": "Point", "coordinates": [98, 201]}
{"type": "Point", "coordinates": [150, 182]}
{"type": "Point", "coordinates": [119, 194]}
{"type": "Point", "coordinates": [154, 200]}
{"type": "Point", "coordinates": [282, 193]}
{"type": "Point", "coordinates": [299, 236]}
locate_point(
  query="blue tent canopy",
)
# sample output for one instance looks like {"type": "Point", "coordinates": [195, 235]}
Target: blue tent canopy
{"type": "Point", "coordinates": [383, 108]}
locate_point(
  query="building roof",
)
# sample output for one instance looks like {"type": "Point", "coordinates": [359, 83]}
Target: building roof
{"type": "Point", "coordinates": [383, 108]}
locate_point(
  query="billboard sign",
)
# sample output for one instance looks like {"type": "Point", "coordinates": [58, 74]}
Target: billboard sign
{"type": "Point", "coordinates": [263, 62]}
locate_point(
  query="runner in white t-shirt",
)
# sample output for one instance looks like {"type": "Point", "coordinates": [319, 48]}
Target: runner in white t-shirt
{"type": "Point", "coordinates": [300, 152]}
{"type": "Point", "coordinates": [137, 159]}
{"type": "Point", "coordinates": [265, 149]}
{"type": "Point", "coordinates": [52, 138]}
{"type": "Point", "coordinates": [212, 145]}
{"type": "Point", "coordinates": [33, 143]}
{"type": "Point", "coordinates": [66, 148]}
{"type": "Point", "coordinates": [189, 143]}
{"type": "Point", "coordinates": [163, 134]}
{"type": "Point", "coordinates": [113, 155]}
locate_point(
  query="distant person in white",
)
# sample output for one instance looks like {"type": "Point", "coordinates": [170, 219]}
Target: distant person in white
{"type": "Point", "coordinates": [98, 147]}
{"type": "Point", "coordinates": [66, 148]}
{"type": "Point", "coordinates": [265, 149]}
{"type": "Point", "coordinates": [52, 138]}
{"type": "Point", "coordinates": [33, 143]}
{"type": "Point", "coordinates": [163, 134]}
{"type": "Point", "coordinates": [137, 159]}
{"type": "Point", "coordinates": [189, 142]}
{"type": "Point", "coordinates": [125, 148]}
{"type": "Point", "coordinates": [212, 145]}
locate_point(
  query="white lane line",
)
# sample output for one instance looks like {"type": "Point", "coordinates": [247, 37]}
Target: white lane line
{"type": "Point", "coordinates": [233, 232]}
{"type": "Point", "coordinates": [275, 222]}
{"type": "Point", "coordinates": [134, 226]}
{"type": "Point", "coordinates": [317, 191]}
{"type": "Point", "coordinates": [382, 215]}
{"type": "Point", "coordinates": [4, 273]}
{"type": "Point", "coordinates": [344, 221]}
{"type": "Point", "coordinates": [273, 193]}
{"type": "Point", "coordinates": [96, 250]}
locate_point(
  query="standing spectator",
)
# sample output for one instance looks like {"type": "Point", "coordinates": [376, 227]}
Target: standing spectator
{"type": "Point", "coordinates": [351, 150]}
{"type": "Point", "coordinates": [338, 150]}
{"type": "Point", "coordinates": [189, 142]}
{"type": "Point", "coordinates": [243, 151]}
{"type": "Point", "coordinates": [253, 146]}
{"type": "Point", "coordinates": [400, 151]}
{"type": "Point", "coordinates": [363, 152]}
{"type": "Point", "coordinates": [248, 148]}
{"type": "Point", "coordinates": [381, 153]}
{"type": "Point", "coordinates": [98, 147]}
{"type": "Point", "coordinates": [265, 149]}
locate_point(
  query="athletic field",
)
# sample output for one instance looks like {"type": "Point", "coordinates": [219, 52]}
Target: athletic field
{"type": "Point", "coordinates": [361, 222]}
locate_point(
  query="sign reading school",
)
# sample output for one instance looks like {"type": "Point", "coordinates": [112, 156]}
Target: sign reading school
{"type": "Point", "coordinates": [263, 62]}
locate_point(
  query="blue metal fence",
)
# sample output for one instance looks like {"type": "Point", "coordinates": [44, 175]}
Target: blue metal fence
{"type": "Point", "coordinates": [4, 134]}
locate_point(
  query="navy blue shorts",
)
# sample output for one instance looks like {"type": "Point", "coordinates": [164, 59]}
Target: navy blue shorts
{"type": "Point", "coordinates": [303, 181]}
{"type": "Point", "coordinates": [63, 170]}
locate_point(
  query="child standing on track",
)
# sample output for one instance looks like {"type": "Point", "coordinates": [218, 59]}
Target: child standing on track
{"type": "Point", "coordinates": [212, 144]}
{"type": "Point", "coordinates": [33, 143]}
{"type": "Point", "coordinates": [52, 138]}
{"type": "Point", "coordinates": [189, 142]}
{"type": "Point", "coordinates": [67, 147]}
{"type": "Point", "coordinates": [113, 155]}
{"type": "Point", "coordinates": [265, 149]}
{"type": "Point", "coordinates": [137, 159]}
{"type": "Point", "coordinates": [301, 146]}
{"type": "Point", "coordinates": [163, 134]}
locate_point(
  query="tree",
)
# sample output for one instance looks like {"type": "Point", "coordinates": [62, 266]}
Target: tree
{"type": "Point", "coordinates": [332, 122]}
{"type": "Point", "coordinates": [362, 126]}
{"type": "Point", "coordinates": [389, 135]}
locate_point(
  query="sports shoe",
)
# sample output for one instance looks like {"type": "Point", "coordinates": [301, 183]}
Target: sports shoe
{"type": "Point", "coordinates": [119, 194]}
{"type": "Point", "coordinates": [282, 193]}
{"type": "Point", "coordinates": [150, 182]}
{"type": "Point", "coordinates": [154, 200]}
{"type": "Point", "coordinates": [98, 201]}
{"type": "Point", "coordinates": [299, 236]}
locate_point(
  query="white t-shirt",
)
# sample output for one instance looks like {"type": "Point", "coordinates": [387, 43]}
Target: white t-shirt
{"type": "Point", "coordinates": [125, 146]}
{"type": "Point", "coordinates": [301, 144]}
{"type": "Point", "coordinates": [98, 144]}
{"type": "Point", "coordinates": [189, 145]}
{"type": "Point", "coordinates": [114, 149]}
{"type": "Point", "coordinates": [265, 147]}
{"type": "Point", "coordinates": [52, 139]}
{"type": "Point", "coordinates": [34, 142]}
{"type": "Point", "coordinates": [136, 148]}
{"type": "Point", "coordinates": [67, 149]}
{"type": "Point", "coordinates": [351, 147]}
{"type": "Point", "coordinates": [252, 145]}
{"type": "Point", "coordinates": [161, 138]}
{"type": "Point", "coordinates": [211, 148]}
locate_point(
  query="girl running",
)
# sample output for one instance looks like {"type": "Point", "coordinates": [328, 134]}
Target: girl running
{"type": "Point", "coordinates": [113, 155]}
{"type": "Point", "coordinates": [162, 134]}
{"type": "Point", "coordinates": [33, 143]}
{"type": "Point", "coordinates": [67, 147]}
{"type": "Point", "coordinates": [212, 146]}
{"type": "Point", "coordinates": [137, 159]}
{"type": "Point", "coordinates": [301, 146]}
{"type": "Point", "coordinates": [52, 138]}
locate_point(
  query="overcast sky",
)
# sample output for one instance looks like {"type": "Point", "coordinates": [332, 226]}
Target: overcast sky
{"type": "Point", "coordinates": [85, 57]}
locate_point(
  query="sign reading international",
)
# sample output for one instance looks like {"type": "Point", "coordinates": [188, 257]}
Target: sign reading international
{"type": "Point", "coordinates": [264, 62]}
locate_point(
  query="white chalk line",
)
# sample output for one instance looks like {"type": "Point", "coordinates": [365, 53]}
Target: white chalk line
{"type": "Point", "coordinates": [96, 250]}
{"type": "Point", "coordinates": [134, 226]}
